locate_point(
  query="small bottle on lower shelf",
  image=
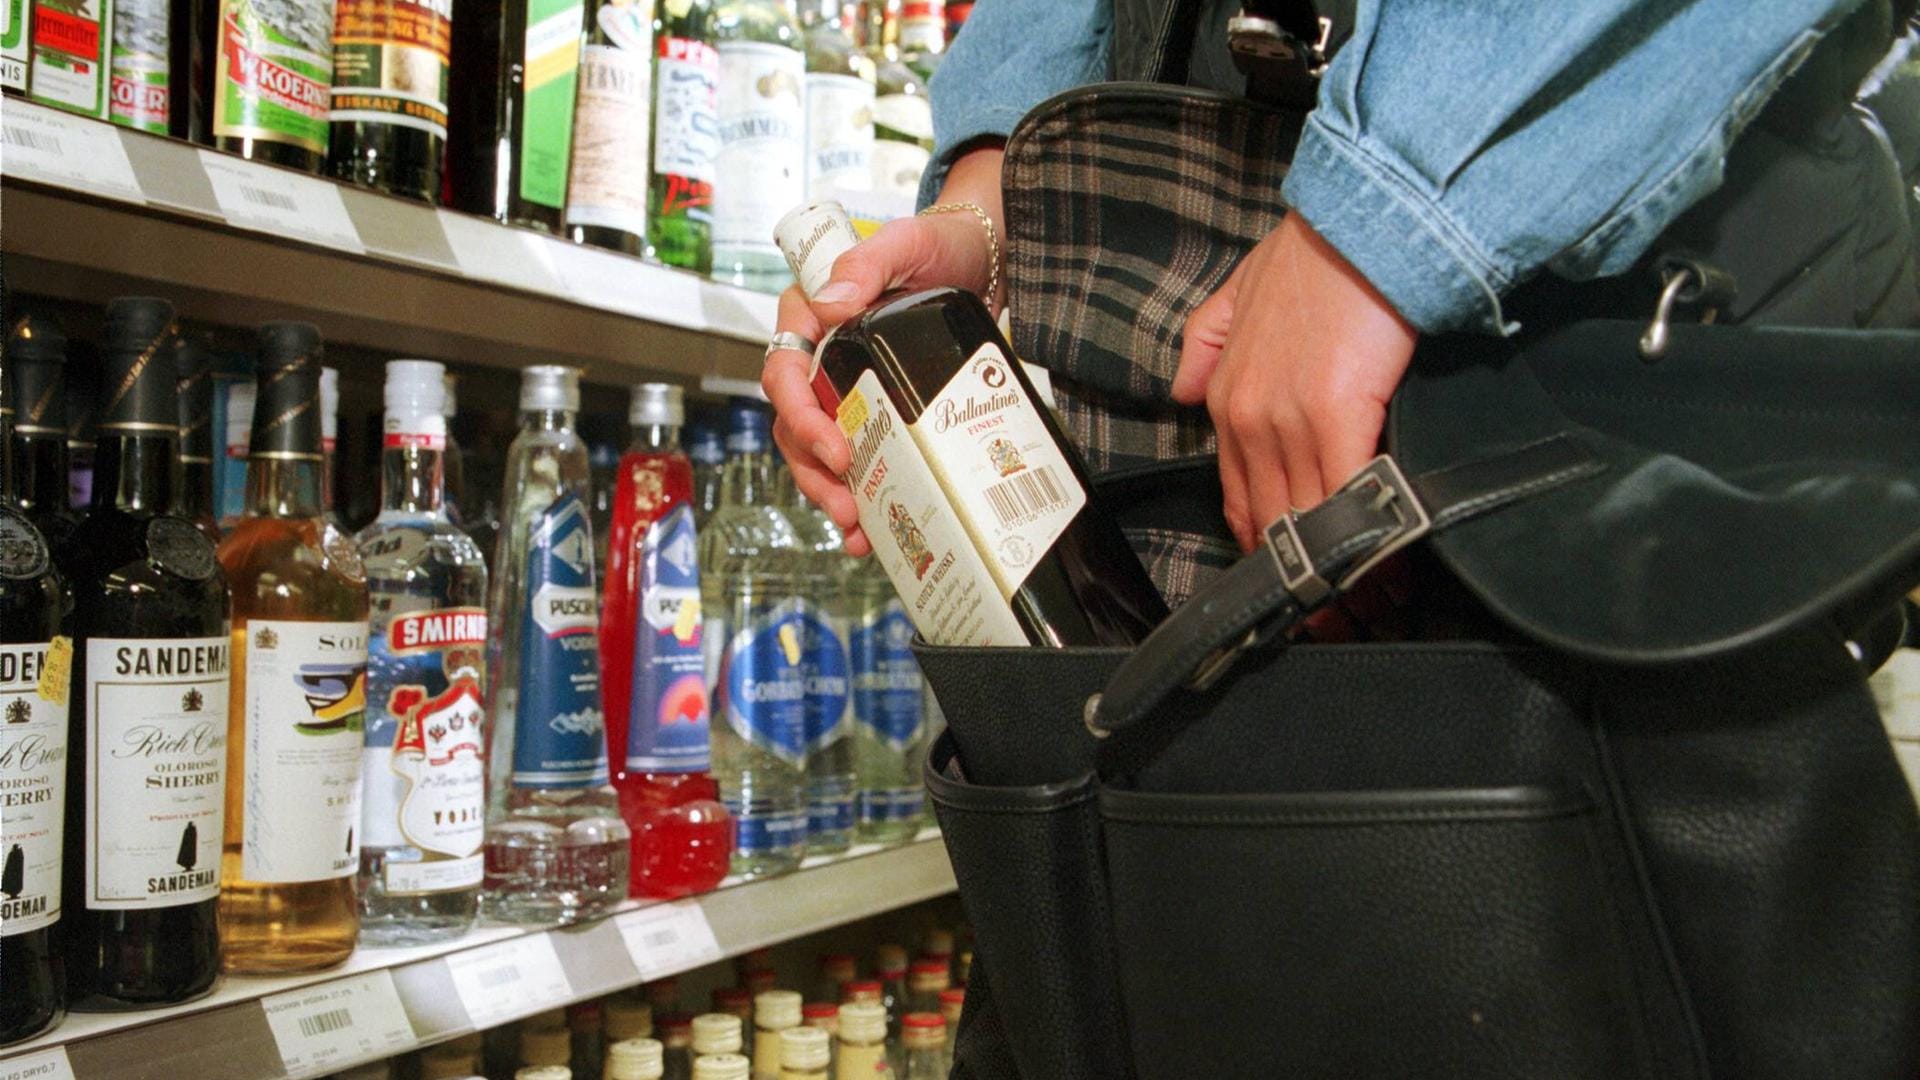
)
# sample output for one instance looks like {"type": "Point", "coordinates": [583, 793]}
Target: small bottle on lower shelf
{"type": "Point", "coordinates": [924, 1037]}
{"type": "Point", "coordinates": [774, 1013]}
{"type": "Point", "coordinates": [635, 1059]}
{"type": "Point", "coordinates": [716, 1033]}
{"type": "Point", "coordinates": [722, 1067]}
{"type": "Point", "coordinates": [805, 1053]}
{"type": "Point", "coordinates": [863, 1041]}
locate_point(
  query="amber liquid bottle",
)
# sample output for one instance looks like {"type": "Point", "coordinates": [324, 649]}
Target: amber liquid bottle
{"type": "Point", "coordinates": [978, 507]}
{"type": "Point", "coordinates": [299, 688]}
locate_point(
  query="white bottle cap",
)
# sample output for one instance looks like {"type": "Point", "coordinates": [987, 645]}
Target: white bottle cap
{"type": "Point", "coordinates": [804, 1048]}
{"type": "Point", "coordinates": [776, 1009]}
{"type": "Point", "coordinates": [329, 404]}
{"type": "Point", "coordinates": [416, 394]}
{"type": "Point", "coordinates": [636, 1059]}
{"type": "Point", "coordinates": [812, 236]}
{"type": "Point", "coordinates": [863, 1022]}
{"type": "Point", "coordinates": [240, 398]}
{"type": "Point", "coordinates": [657, 403]}
{"type": "Point", "coordinates": [552, 387]}
{"type": "Point", "coordinates": [545, 1072]}
{"type": "Point", "coordinates": [716, 1033]}
{"type": "Point", "coordinates": [721, 1067]}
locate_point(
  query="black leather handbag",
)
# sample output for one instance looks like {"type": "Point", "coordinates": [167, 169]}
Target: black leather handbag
{"type": "Point", "coordinates": [1651, 828]}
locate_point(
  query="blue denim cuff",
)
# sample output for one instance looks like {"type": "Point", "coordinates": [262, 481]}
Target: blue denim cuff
{"type": "Point", "coordinates": [957, 126]}
{"type": "Point", "coordinates": [1401, 240]}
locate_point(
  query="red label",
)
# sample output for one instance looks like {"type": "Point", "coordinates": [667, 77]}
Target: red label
{"type": "Point", "coordinates": [437, 629]}
{"type": "Point", "coordinates": [285, 88]}
{"type": "Point", "coordinates": [693, 52]}
{"type": "Point", "coordinates": [684, 192]}
{"type": "Point", "coordinates": [919, 9]}
{"type": "Point", "coordinates": [139, 101]}
{"type": "Point", "coordinates": [402, 440]}
{"type": "Point", "coordinates": [70, 34]}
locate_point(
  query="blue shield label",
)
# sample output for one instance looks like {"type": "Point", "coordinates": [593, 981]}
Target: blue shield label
{"type": "Point", "coordinates": [558, 739]}
{"type": "Point", "coordinates": [668, 729]}
{"type": "Point", "coordinates": [886, 680]}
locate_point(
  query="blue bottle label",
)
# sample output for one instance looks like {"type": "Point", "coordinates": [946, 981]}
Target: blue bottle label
{"type": "Point", "coordinates": [765, 692]}
{"type": "Point", "coordinates": [886, 805]}
{"type": "Point", "coordinates": [558, 740]}
{"type": "Point", "coordinates": [886, 680]}
{"type": "Point", "coordinates": [832, 814]}
{"type": "Point", "coordinates": [668, 729]}
{"type": "Point", "coordinates": [823, 667]}
{"type": "Point", "coordinates": [757, 835]}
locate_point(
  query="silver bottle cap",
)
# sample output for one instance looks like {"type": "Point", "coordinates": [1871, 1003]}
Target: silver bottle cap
{"type": "Point", "coordinates": [812, 236]}
{"type": "Point", "coordinates": [550, 387]}
{"type": "Point", "coordinates": [657, 403]}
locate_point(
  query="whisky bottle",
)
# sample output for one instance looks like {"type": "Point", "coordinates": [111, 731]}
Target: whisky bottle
{"type": "Point", "coordinates": [34, 694]}
{"type": "Point", "coordinates": [298, 707]}
{"type": "Point", "coordinates": [270, 79]}
{"type": "Point", "coordinates": [37, 364]}
{"type": "Point", "coordinates": [387, 124]}
{"type": "Point", "coordinates": [840, 80]}
{"type": "Point", "coordinates": [761, 167]}
{"type": "Point", "coordinates": [193, 486]}
{"type": "Point", "coordinates": [147, 758]}
{"type": "Point", "coordinates": [978, 508]}
{"type": "Point", "coordinates": [686, 88]}
{"type": "Point", "coordinates": [607, 180]}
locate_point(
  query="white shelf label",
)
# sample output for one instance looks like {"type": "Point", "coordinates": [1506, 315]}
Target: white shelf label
{"type": "Point", "coordinates": [486, 250]}
{"type": "Point", "coordinates": [39, 1065]}
{"type": "Point", "coordinates": [497, 983]}
{"type": "Point", "coordinates": [277, 201]}
{"type": "Point", "coordinates": [69, 151]}
{"type": "Point", "coordinates": [666, 939]}
{"type": "Point", "coordinates": [322, 1028]}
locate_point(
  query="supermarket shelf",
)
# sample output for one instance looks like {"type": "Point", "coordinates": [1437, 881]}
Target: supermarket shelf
{"type": "Point", "coordinates": [227, 1035]}
{"type": "Point", "coordinates": [92, 209]}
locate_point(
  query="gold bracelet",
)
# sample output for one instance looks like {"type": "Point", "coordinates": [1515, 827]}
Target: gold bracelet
{"type": "Point", "coordinates": [993, 241]}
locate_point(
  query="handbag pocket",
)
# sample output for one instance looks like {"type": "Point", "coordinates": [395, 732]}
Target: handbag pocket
{"type": "Point", "coordinates": [1425, 933]}
{"type": "Point", "coordinates": [1027, 860]}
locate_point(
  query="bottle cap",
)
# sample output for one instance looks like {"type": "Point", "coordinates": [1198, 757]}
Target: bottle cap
{"type": "Point", "coordinates": [928, 974]}
{"type": "Point", "coordinates": [819, 1010]}
{"type": "Point", "coordinates": [139, 391]}
{"type": "Point", "coordinates": [329, 405]}
{"type": "Point", "coordinates": [36, 366]}
{"type": "Point", "coordinates": [546, 1046]}
{"type": "Point", "coordinates": [415, 395]}
{"type": "Point", "coordinates": [863, 990]}
{"type": "Point", "coordinates": [550, 387]}
{"type": "Point", "coordinates": [804, 1048]}
{"type": "Point", "coordinates": [749, 427]}
{"type": "Point", "coordinates": [812, 236]}
{"type": "Point", "coordinates": [776, 1009]}
{"type": "Point", "coordinates": [840, 967]}
{"type": "Point", "coordinates": [286, 406]}
{"type": "Point", "coordinates": [446, 1063]}
{"type": "Point", "coordinates": [890, 958]}
{"type": "Point", "coordinates": [953, 995]}
{"type": "Point", "coordinates": [939, 943]}
{"type": "Point", "coordinates": [624, 1019]}
{"type": "Point", "coordinates": [921, 1030]}
{"type": "Point", "coordinates": [863, 1022]}
{"type": "Point", "coordinates": [635, 1059]}
{"type": "Point", "coordinates": [193, 370]}
{"type": "Point", "coordinates": [704, 444]}
{"type": "Point", "coordinates": [544, 1072]}
{"type": "Point", "coordinates": [657, 403]}
{"type": "Point", "coordinates": [722, 1067]}
{"type": "Point", "coordinates": [716, 1033]}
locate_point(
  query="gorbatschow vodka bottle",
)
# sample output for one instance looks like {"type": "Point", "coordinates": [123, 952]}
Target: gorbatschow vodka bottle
{"type": "Point", "coordinates": [820, 582]}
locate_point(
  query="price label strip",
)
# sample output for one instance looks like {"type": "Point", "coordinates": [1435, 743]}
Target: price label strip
{"type": "Point", "coordinates": [666, 939]}
{"type": "Point", "coordinates": [321, 1029]}
{"type": "Point", "coordinates": [58, 148]}
{"type": "Point", "coordinates": [280, 202]}
{"type": "Point", "coordinates": [41, 1064]}
{"type": "Point", "coordinates": [513, 978]}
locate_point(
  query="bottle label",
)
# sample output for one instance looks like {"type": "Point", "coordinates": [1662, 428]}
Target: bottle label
{"type": "Point", "coordinates": [425, 758]}
{"type": "Point", "coordinates": [839, 134]}
{"type": "Point", "coordinates": [686, 126]}
{"type": "Point", "coordinates": [306, 707]}
{"type": "Point", "coordinates": [756, 834]}
{"type": "Point", "coordinates": [156, 768]}
{"type": "Point", "coordinates": [274, 67]}
{"type": "Point", "coordinates": [829, 807]}
{"type": "Point", "coordinates": [404, 431]}
{"type": "Point", "coordinates": [13, 44]}
{"type": "Point", "coordinates": [761, 170]}
{"type": "Point", "coordinates": [33, 806]}
{"type": "Point", "coordinates": [920, 540]}
{"type": "Point", "coordinates": [557, 739]}
{"type": "Point", "coordinates": [70, 55]}
{"type": "Point", "coordinates": [140, 69]}
{"type": "Point", "coordinates": [552, 72]}
{"type": "Point", "coordinates": [762, 691]}
{"type": "Point", "coordinates": [824, 671]}
{"type": "Point", "coordinates": [608, 186]}
{"type": "Point", "coordinates": [23, 553]}
{"type": "Point", "coordinates": [883, 806]}
{"type": "Point", "coordinates": [669, 729]}
{"type": "Point", "coordinates": [390, 63]}
{"type": "Point", "coordinates": [886, 679]}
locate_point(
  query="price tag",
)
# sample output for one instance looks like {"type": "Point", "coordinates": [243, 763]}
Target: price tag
{"type": "Point", "coordinates": [59, 148]}
{"type": "Point", "coordinates": [321, 1028]}
{"type": "Point", "coordinates": [486, 250]}
{"type": "Point", "coordinates": [39, 1065]}
{"type": "Point", "coordinates": [666, 939]}
{"type": "Point", "coordinates": [499, 982]}
{"type": "Point", "coordinates": [280, 202]}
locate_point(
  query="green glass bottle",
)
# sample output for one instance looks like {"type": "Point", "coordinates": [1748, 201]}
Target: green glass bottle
{"type": "Point", "coordinates": [686, 134]}
{"type": "Point", "coordinates": [760, 172]}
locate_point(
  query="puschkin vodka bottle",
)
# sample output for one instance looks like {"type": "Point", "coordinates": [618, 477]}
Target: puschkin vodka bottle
{"type": "Point", "coordinates": [821, 581]}
{"type": "Point", "coordinates": [556, 847]}
{"type": "Point", "coordinates": [888, 709]}
{"type": "Point", "coordinates": [753, 642]}
{"type": "Point", "coordinates": [424, 805]}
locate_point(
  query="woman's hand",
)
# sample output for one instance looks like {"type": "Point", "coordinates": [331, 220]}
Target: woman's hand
{"type": "Point", "coordinates": [911, 253]}
{"type": "Point", "coordinates": [1295, 357]}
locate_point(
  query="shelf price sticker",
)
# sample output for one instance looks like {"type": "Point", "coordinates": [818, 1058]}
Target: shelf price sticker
{"type": "Point", "coordinates": [39, 1065]}
{"type": "Point", "coordinates": [666, 939]}
{"type": "Point", "coordinates": [321, 1029]}
{"type": "Point", "coordinates": [64, 150]}
{"type": "Point", "coordinates": [513, 978]}
{"type": "Point", "coordinates": [281, 202]}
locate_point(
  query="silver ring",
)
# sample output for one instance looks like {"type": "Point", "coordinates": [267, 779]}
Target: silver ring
{"type": "Point", "coordinates": [787, 339]}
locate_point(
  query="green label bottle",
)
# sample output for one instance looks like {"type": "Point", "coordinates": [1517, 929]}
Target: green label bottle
{"type": "Point", "coordinates": [141, 90]}
{"type": "Point", "coordinates": [69, 64]}
{"type": "Point", "coordinates": [14, 16]}
{"type": "Point", "coordinates": [271, 80]}
{"type": "Point", "coordinates": [552, 74]}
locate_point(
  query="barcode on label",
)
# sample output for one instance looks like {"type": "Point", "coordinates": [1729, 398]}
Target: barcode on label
{"type": "Point", "coordinates": [273, 199]}
{"type": "Point", "coordinates": [30, 140]}
{"type": "Point", "coordinates": [321, 1023]}
{"type": "Point", "coordinates": [1025, 496]}
{"type": "Point", "coordinates": [500, 976]}
{"type": "Point", "coordinates": [660, 939]}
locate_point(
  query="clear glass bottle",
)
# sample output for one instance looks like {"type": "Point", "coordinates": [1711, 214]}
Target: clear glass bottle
{"type": "Point", "coordinates": [840, 82]}
{"type": "Point", "coordinates": [298, 705]}
{"type": "Point", "coordinates": [708, 452]}
{"type": "Point", "coordinates": [953, 1002]}
{"type": "Point", "coordinates": [862, 1049]}
{"type": "Point", "coordinates": [923, 1036]}
{"type": "Point", "coordinates": [902, 114]}
{"type": "Point", "coordinates": [821, 583]}
{"type": "Point", "coordinates": [806, 1053]}
{"type": "Point", "coordinates": [760, 171]}
{"type": "Point", "coordinates": [425, 771]}
{"type": "Point", "coordinates": [888, 709]}
{"type": "Point", "coordinates": [775, 1012]}
{"type": "Point", "coordinates": [686, 91]}
{"type": "Point", "coordinates": [556, 847]}
{"type": "Point", "coordinates": [752, 634]}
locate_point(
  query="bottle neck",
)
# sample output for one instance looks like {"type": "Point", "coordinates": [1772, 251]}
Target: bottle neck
{"type": "Point", "coordinates": [748, 480]}
{"type": "Point", "coordinates": [655, 438]}
{"type": "Point", "coordinates": [283, 487]}
{"type": "Point", "coordinates": [40, 465]}
{"type": "Point", "coordinates": [412, 479]}
{"type": "Point", "coordinates": [546, 420]}
{"type": "Point", "coordinates": [134, 471]}
{"type": "Point", "coordinates": [194, 495]}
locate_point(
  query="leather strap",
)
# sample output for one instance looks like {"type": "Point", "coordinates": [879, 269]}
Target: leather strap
{"type": "Point", "coordinates": [1311, 556]}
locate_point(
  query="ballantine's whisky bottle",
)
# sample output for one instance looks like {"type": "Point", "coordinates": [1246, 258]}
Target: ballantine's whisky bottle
{"type": "Point", "coordinates": [977, 507]}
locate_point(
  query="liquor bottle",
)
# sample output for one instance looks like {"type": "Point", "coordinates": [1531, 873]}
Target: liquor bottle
{"type": "Point", "coordinates": [820, 582]}
{"type": "Point", "coordinates": [977, 506]}
{"type": "Point", "coordinates": [805, 1053]}
{"type": "Point", "coordinates": [34, 694]}
{"type": "Point", "coordinates": [387, 124]}
{"type": "Point", "coordinates": [453, 460]}
{"type": "Point", "coordinates": [902, 115]}
{"type": "Point", "coordinates": [271, 79]}
{"type": "Point", "coordinates": [686, 135]}
{"type": "Point", "coordinates": [425, 800]}
{"type": "Point", "coordinates": [761, 167]}
{"type": "Point", "coordinates": [840, 81]}
{"type": "Point", "coordinates": [299, 688]}
{"type": "Point", "coordinates": [862, 1042]}
{"type": "Point", "coordinates": [588, 1057]}
{"type": "Point", "coordinates": [676, 1036]}
{"type": "Point", "coordinates": [722, 1067]}
{"type": "Point", "coordinates": [15, 48]}
{"type": "Point", "coordinates": [774, 1012]}
{"type": "Point", "coordinates": [716, 1033]}
{"type": "Point", "coordinates": [752, 635]}
{"type": "Point", "coordinates": [329, 438]}
{"type": "Point", "coordinates": [193, 488]}
{"type": "Point", "coordinates": [953, 1002]}
{"type": "Point", "coordinates": [923, 1035]}
{"type": "Point", "coordinates": [147, 757]}
{"type": "Point", "coordinates": [189, 105]}
{"type": "Point", "coordinates": [556, 847]}
{"type": "Point", "coordinates": [636, 1059]}
{"type": "Point", "coordinates": [708, 452]}
{"type": "Point", "coordinates": [141, 75]}
{"type": "Point", "coordinates": [511, 118]}
{"type": "Point", "coordinates": [37, 364]}
{"type": "Point", "coordinates": [71, 54]}
{"type": "Point", "coordinates": [923, 35]}
{"type": "Point", "coordinates": [652, 661]}
{"type": "Point", "coordinates": [887, 709]}
{"type": "Point", "coordinates": [926, 978]}
{"type": "Point", "coordinates": [607, 181]}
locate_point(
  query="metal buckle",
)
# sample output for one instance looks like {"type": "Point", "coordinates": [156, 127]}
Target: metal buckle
{"type": "Point", "coordinates": [1393, 491]}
